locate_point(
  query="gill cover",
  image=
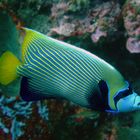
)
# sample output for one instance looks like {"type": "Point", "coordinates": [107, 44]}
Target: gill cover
{"type": "Point", "coordinates": [127, 100]}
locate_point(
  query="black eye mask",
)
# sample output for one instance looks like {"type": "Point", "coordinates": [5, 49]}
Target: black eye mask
{"type": "Point", "coordinates": [123, 93]}
{"type": "Point", "coordinates": [99, 98]}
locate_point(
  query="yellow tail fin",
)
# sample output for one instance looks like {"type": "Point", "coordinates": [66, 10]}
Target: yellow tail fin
{"type": "Point", "coordinates": [8, 65]}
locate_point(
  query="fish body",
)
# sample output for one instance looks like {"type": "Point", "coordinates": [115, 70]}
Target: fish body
{"type": "Point", "coordinates": [58, 69]}
{"type": "Point", "coordinates": [49, 68]}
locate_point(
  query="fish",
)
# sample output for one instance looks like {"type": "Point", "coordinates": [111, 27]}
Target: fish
{"type": "Point", "coordinates": [36, 67]}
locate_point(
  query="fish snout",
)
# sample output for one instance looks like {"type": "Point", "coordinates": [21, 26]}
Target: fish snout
{"type": "Point", "coordinates": [129, 103]}
{"type": "Point", "coordinates": [136, 105]}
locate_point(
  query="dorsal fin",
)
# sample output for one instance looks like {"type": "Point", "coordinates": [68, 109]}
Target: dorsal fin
{"type": "Point", "coordinates": [26, 37]}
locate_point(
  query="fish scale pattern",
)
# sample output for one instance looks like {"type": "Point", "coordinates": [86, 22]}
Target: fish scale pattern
{"type": "Point", "coordinates": [58, 69]}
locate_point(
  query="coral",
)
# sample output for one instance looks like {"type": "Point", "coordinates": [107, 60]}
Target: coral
{"type": "Point", "coordinates": [78, 5]}
{"type": "Point", "coordinates": [59, 9]}
{"type": "Point", "coordinates": [65, 29]}
{"type": "Point", "coordinates": [98, 33]}
{"type": "Point", "coordinates": [105, 20]}
{"type": "Point", "coordinates": [100, 21]}
{"type": "Point", "coordinates": [13, 110]}
{"type": "Point", "coordinates": [131, 16]}
{"type": "Point", "coordinates": [133, 45]}
{"type": "Point", "coordinates": [76, 27]}
{"type": "Point", "coordinates": [16, 129]}
{"type": "Point", "coordinates": [43, 110]}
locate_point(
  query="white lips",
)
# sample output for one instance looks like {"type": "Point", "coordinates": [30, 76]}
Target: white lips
{"type": "Point", "coordinates": [129, 103]}
{"type": "Point", "coordinates": [136, 102]}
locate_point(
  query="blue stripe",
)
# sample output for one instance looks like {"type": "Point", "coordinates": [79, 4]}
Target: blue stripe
{"type": "Point", "coordinates": [60, 71]}
{"type": "Point", "coordinates": [67, 60]}
{"type": "Point", "coordinates": [88, 61]}
{"type": "Point", "coordinates": [61, 65]}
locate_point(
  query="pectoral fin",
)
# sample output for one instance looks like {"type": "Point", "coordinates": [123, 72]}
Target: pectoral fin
{"type": "Point", "coordinates": [99, 98]}
{"type": "Point", "coordinates": [28, 93]}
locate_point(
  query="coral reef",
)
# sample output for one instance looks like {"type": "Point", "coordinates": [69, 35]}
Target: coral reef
{"type": "Point", "coordinates": [131, 16]}
{"type": "Point", "coordinates": [11, 112]}
{"type": "Point", "coordinates": [105, 18]}
{"type": "Point", "coordinates": [100, 21]}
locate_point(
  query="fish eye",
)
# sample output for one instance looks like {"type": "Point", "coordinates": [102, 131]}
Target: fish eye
{"type": "Point", "coordinates": [124, 93]}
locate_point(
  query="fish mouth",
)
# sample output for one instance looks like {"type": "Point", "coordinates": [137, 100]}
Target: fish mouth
{"type": "Point", "coordinates": [136, 105]}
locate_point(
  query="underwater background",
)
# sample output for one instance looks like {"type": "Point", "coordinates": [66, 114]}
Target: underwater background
{"type": "Point", "coordinates": [108, 28]}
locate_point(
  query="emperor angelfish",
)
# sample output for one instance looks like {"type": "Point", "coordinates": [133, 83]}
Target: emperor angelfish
{"type": "Point", "coordinates": [44, 68]}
